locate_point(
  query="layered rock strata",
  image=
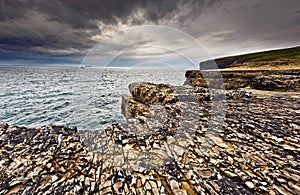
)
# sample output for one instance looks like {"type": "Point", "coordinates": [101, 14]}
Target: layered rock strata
{"type": "Point", "coordinates": [273, 80]}
{"type": "Point", "coordinates": [170, 145]}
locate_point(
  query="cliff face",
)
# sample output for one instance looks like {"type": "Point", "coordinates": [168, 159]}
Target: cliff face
{"type": "Point", "coordinates": [273, 80]}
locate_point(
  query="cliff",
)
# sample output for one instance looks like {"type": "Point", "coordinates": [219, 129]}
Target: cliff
{"type": "Point", "coordinates": [271, 80]}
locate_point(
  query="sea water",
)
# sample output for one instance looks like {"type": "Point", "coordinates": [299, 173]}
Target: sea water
{"type": "Point", "coordinates": [89, 98]}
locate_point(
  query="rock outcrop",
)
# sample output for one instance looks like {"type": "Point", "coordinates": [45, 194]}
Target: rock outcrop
{"type": "Point", "coordinates": [276, 80]}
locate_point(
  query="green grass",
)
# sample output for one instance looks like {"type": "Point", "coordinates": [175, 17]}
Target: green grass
{"type": "Point", "coordinates": [289, 53]}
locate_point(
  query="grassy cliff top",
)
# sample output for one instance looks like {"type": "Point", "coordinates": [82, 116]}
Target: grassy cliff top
{"type": "Point", "coordinates": [275, 59]}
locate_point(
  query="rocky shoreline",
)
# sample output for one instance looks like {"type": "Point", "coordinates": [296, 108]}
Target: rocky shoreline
{"type": "Point", "coordinates": [174, 142]}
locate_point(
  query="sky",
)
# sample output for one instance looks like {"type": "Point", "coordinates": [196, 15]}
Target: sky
{"type": "Point", "coordinates": [40, 32]}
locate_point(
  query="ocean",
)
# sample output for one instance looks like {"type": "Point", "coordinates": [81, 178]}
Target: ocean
{"type": "Point", "coordinates": [89, 98]}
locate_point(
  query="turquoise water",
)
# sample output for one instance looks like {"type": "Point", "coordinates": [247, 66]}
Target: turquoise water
{"type": "Point", "coordinates": [89, 98]}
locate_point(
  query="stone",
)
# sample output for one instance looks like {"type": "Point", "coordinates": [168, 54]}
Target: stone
{"type": "Point", "coordinates": [249, 184]}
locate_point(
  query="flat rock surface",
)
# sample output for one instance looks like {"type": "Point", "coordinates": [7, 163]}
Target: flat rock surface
{"type": "Point", "coordinates": [255, 150]}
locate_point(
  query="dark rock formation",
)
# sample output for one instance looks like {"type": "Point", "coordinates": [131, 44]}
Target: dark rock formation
{"type": "Point", "coordinates": [214, 64]}
{"type": "Point", "coordinates": [276, 80]}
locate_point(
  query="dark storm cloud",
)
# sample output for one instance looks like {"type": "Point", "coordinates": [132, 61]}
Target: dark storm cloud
{"type": "Point", "coordinates": [83, 14]}
{"type": "Point", "coordinates": [41, 26]}
{"type": "Point", "coordinates": [80, 14]}
{"type": "Point", "coordinates": [64, 30]}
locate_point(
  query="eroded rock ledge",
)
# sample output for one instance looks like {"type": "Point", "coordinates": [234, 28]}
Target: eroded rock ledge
{"type": "Point", "coordinates": [255, 151]}
{"type": "Point", "coordinates": [272, 80]}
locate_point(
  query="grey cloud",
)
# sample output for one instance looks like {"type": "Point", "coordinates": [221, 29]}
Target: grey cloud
{"type": "Point", "coordinates": [68, 24]}
{"type": "Point", "coordinates": [249, 26]}
{"type": "Point", "coordinates": [296, 11]}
